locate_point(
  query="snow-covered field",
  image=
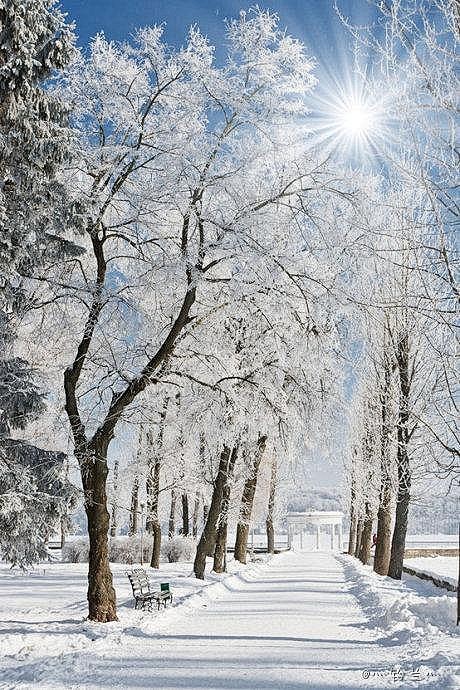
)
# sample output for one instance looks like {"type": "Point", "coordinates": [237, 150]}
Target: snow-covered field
{"type": "Point", "coordinates": [431, 541]}
{"type": "Point", "coordinates": [442, 567]}
{"type": "Point", "coordinates": [300, 620]}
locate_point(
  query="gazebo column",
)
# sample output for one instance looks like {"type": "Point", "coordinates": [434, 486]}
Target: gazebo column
{"type": "Point", "coordinates": [339, 536]}
{"type": "Point", "coordinates": [332, 537]}
{"type": "Point", "coordinates": [318, 529]}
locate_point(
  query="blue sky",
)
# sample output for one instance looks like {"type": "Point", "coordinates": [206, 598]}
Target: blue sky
{"type": "Point", "coordinates": [315, 22]}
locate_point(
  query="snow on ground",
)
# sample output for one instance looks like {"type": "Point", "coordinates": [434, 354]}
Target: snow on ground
{"type": "Point", "coordinates": [57, 591]}
{"type": "Point", "coordinates": [442, 567]}
{"type": "Point", "coordinates": [431, 541]}
{"type": "Point", "coordinates": [300, 620]}
{"type": "Point", "coordinates": [414, 615]}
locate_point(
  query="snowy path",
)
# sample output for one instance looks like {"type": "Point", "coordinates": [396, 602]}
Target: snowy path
{"type": "Point", "coordinates": [295, 626]}
{"type": "Point", "coordinates": [291, 624]}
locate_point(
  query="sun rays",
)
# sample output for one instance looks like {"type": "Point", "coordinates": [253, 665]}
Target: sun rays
{"type": "Point", "coordinates": [350, 119]}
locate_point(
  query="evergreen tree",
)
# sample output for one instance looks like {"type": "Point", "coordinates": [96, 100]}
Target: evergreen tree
{"type": "Point", "coordinates": [34, 496]}
{"type": "Point", "coordinates": [35, 43]}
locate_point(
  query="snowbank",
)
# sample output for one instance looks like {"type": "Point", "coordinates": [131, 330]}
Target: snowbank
{"type": "Point", "coordinates": [408, 605]}
{"type": "Point", "coordinates": [410, 612]}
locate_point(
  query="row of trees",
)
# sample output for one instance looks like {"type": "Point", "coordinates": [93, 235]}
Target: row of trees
{"type": "Point", "coordinates": [404, 437]}
{"type": "Point", "coordinates": [206, 490]}
{"type": "Point", "coordinates": [195, 268]}
{"type": "Point", "coordinates": [185, 183]}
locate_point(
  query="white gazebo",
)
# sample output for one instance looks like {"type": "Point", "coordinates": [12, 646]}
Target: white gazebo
{"type": "Point", "coordinates": [296, 523]}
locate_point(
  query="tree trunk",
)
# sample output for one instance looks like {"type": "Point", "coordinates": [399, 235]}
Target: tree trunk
{"type": "Point", "coordinates": [366, 537]}
{"type": "Point", "coordinates": [359, 531]}
{"type": "Point", "coordinates": [114, 520]}
{"type": "Point", "coordinates": [62, 525]}
{"type": "Point", "coordinates": [384, 520]}
{"type": "Point", "coordinates": [398, 543]}
{"type": "Point", "coordinates": [153, 524]}
{"type": "Point", "coordinates": [212, 537]}
{"type": "Point", "coordinates": [271, 509]}
{"type": "Point", "coordinates": [241, 541]}
{"type": "Point", "coordinates": [353, 532]}
{"type": "Point", "coordinates": [352, 539]}
{"type": "Point", "coordinates": [153, 494]}
{"type": "Point", "coordinates": [154, 471]}
{"type": "Point", "coordinates": [101, 594]}
{"type": "Point", "coordinates": [200, 495]}
{"type": "Point", "coordinates": [384, 516]}
{"type": "Point", "coordinates": [172, 515]}
{"type": "Point", "coordinates": [247, 501]}
{"type": "Point", "coordinates": [212, 541]}
{"type": "Point", "coordinates": [196, 508]}
{"type": "Point", "coordinates": [134, 512]}
{"type": "Point", "coordinates": [220, 551]}
{"type": "Point", "coordinates": [156, 546]}
{"type": "Point", "coordinates": [208, 536]}
{"type": "Point", "coordinates": [185, 518]}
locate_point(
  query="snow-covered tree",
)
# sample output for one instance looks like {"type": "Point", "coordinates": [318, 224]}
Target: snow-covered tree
{"type": "Point", "coordinates": [34, 141]}
{"type": "Point", "coordinates": [35, 495]}
{"type": "Point", "coordinates": [200, 195]}
{"type": "Point", "coordinates": [411, 348]}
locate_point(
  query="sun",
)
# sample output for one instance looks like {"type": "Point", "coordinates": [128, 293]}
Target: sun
{"type": "Point", "coordinates": [356, 120]}
{"type": "Point", "coordinates": [349, 121]}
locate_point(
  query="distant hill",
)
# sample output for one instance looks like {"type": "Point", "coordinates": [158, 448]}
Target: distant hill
{"type": "Point", "coordinates": [437, 515]}
{"type": "Point", "coordinates": [314, 499]}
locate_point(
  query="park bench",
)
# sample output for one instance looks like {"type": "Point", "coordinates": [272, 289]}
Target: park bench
{"type": "Point", "coordinates": [143, 593]}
